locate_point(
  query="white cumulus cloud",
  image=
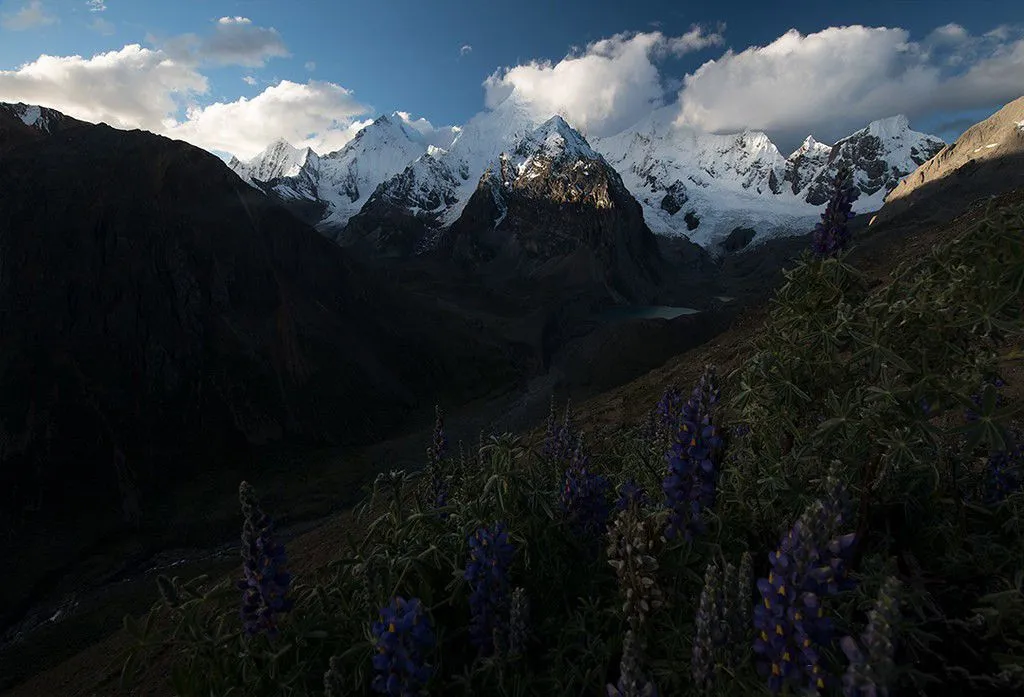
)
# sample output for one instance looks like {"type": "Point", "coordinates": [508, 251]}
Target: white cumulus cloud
{"type": "Point", "coordinates": [96, 5]}
{"type": "Point", "coordinates": [836, 80]}
{"type": "Point", "coordinates": [133, 87]}
{"type": "Point", "coordinates": [604, 88]}
{"type": "Point", "coordinates": [320, 115]}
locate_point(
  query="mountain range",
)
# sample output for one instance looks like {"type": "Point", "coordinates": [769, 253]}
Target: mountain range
{"type": "Point", "coordinates": [692, 184]}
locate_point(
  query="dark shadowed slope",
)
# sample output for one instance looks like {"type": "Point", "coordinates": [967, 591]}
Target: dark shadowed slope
{"type": "Point", "coordinates": [159, 317]}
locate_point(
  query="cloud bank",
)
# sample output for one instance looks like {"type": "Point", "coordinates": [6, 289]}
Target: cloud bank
{"type": "Point", "coordinates": [836, 80]}
{"type": "Point", "coordinates": [604, 88]}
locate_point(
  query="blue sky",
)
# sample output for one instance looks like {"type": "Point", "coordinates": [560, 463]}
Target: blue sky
{"type": "Point", "coordinates": [341, 63]}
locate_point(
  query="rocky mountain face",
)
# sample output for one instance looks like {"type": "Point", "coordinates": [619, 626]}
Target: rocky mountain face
{"type": "Point", "coordinates": [159, 317]}
{"type": "Point", "coordinates": [805, 164]}
{"type": "Point", "coordinates": [707, 186]}
{"type": "Point", "coordinates": [326, 191]}
{"type": "Point", "coordinates": [388, 194]}
{"type": "Point", "coordinates": [553, 209]}
{"type": "Point", "coordinates": [880, 156]}
{"type": "Point", "coordinates": [279, 160]}
{"type": "Point", "coordinates": [987, 160]}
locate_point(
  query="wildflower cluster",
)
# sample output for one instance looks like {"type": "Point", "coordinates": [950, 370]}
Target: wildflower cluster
{"type": "Point", "coordinates": [490, 561]}
{"type": "Point", "coordinates": [265, 568]}
{"type": "Point", "coordinates": [871, 664]}
{"type": "Point", "coordinates": [832, 235]}
{"type": "Point", "coordinates": [807, 566]}
{"type": "Point", "coordinates": [630, 553]}
{"type": "Point", "coordinates": [693, 462]}
{"type": "Point", "coordinates": [404, 638]}
{"type": "Point", "coordinates": [584, 497]}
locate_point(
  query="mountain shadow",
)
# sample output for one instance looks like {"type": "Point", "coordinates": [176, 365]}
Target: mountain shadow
{"type": "Point", "coordinates": [161, 318]}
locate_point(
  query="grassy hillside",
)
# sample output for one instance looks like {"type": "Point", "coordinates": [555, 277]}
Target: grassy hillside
{"type": "Point", "coordinates": [837, 462]}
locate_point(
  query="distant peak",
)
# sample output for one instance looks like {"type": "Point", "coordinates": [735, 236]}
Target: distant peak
{"type": "Point", "coordinates": [888, 127]}
{"type": "Point", "coordinates": [382, 120]}
{"type": "Point", "coordinates": [555, 121]}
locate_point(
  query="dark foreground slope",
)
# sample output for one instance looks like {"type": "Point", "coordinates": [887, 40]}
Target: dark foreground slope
{"type": "Point", "coordinates": [159, 318]}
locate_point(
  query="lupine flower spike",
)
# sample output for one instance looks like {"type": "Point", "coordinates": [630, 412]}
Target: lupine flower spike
{"type": "Point", "coordinates": [693, 462]}
{"type": "Point", "coordinates": [807, 566]}
{"type": "Point", "coordinates": [630, 554]}
{"type": "Point", "coordinates": [437, 452]}
{"type": "Point", "coordinates": [519, 623]}
{"type": "Point", "coordinates": [871, 664]}
{"type": "Point", "coordinates": [404, 639]}
{"type": "Point", "coordinates": [832, 235]}
{"type": "Point", "coordinates": [708, 613]}
{"type": "Point", "coordinates": [490, 560]}
{"type": "Point", "coordinates": [265, 565]}
{"type": "Point", "coordinates": [584, 498]}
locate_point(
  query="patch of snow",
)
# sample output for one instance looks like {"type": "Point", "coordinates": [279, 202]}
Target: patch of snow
{"type": "Point", "coordinates": [31, 115]}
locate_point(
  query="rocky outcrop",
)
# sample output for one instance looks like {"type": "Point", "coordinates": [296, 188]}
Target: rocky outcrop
{"type": "Point", "coordinates": [738, 239]}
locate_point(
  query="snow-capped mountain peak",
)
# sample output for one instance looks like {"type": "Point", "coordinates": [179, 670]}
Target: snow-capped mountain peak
{"type": "Point", "coordinates": [552, 140]}
{"type": "Point", "coordinates": [891, 127]}
{"type": "Point", "coordinates": [279, 159]}
{"type": "Point", "coordinates": [810, 147]}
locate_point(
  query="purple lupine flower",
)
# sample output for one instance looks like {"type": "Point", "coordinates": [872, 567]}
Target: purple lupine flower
{"type": "Point", "coordinates": [832, 234]}
{"type": "Point", "coordinates": [404, 639]}
{"type": "Point", "coordinates": [490, 560]}
{"type": "Point", "coordinates": [631, 494]}
{"type": "Point", "coordinates": [437, 452]}
{"type": "Point", "coordinates": [693, 462]}
{"type": "Point", "coordinates": [808, 565]}
{"type": "Point", "coordinates": [584, 498]}
{"type": "Point", "coordinates": [265, 567]}
{"type": "Point", "coordinates": [666, 415]}
{"type": "Point", "coordinates": [871, 663]}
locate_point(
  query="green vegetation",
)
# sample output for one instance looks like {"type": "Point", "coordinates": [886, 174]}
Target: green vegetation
{"type": "Point", "coordinates": [827, 519]}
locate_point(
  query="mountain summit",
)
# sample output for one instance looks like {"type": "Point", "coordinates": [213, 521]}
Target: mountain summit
{"type": "Point", "coordinates": [552, 209]}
